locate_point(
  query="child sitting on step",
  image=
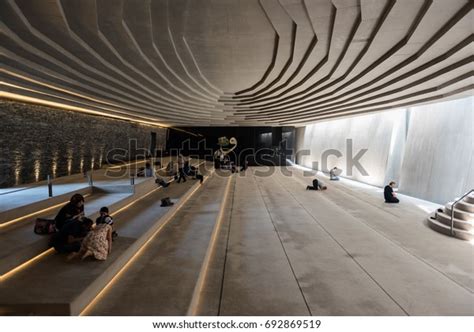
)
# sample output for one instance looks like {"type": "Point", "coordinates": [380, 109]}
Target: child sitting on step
{"type": "Point", "coordinates": [105, 218]}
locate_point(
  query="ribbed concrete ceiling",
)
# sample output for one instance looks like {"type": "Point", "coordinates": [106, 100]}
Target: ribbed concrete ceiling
{"type": "Point", "coordinates": [236, 62]}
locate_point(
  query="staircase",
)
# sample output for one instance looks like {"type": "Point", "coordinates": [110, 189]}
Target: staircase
{"type": "Point", "coordinates": [456, 218]}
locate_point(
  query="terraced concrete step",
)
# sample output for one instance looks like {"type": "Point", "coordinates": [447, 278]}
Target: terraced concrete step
{"type": "Point", "coordinates": [19, 244]}
{"type": "Point", "coordinates": [7, 216]}
{"type": "Point", "coordinates": [464, 206]}
{"type": "Point", "coordinates": [33, 290]}
{"type": "Point", "coordinates": [178, 253]}
{"type": "Point", "coordinates": [458, 223]}
{"type": "Point", "coordinates": [442, 228]}
{"type": "Point", "coordinates": [114, 189]}
{"type": "Point", "coordinates": [31, 198]}
{"type": "Point", "coordinates": [459, 214]}
{"type": "Point", "coordinates": [469, 199]}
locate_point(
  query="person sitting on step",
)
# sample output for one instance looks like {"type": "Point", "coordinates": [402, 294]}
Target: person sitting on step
{"type": "Point", "coordinates": [69, 238]}
{"type": "Point", "coordinates": [97, 243]}
{"type": "Point", "coordinates": [105, 218]}
{"type": "Point", "coordinates": [74, 209]}
{"type": "Point", "coordinates": [244, 166]}
{"type": "Point", "coordinates": [194, 172]}
{"type": "Point", "coordinates": [389, 194]}
{"type": "Point", "coordinates": [161, 181]}
{"type": "Point", "coordinates": [334, 174]}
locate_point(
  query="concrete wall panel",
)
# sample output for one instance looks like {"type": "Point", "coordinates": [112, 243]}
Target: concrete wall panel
{"type": "Point", "coordinates": [439, 151]}
{"type": "Point", "coordinates": [371, 132]}
{"type": "Point", "coordinates": [427, 149]}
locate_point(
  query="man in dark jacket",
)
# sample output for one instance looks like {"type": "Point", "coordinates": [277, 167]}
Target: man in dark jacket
{"type": "Point", "coordinates": [389, 195]}
{"type": "Point", "coordinates": [69, 238]}
{"type": "Point", "coordinates": [74, 209]}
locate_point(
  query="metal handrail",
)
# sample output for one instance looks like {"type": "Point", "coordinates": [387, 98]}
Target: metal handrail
{"type": "Point", "coordinates": [454, 205]}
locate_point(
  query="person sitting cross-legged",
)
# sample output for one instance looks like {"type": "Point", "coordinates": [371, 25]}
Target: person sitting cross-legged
{"type": "Point", "coordinates": [334, 174]}
{"type": "Point", "coordinates": [73, 210]}
{"type": "Point", "coordinates": [389, 194]}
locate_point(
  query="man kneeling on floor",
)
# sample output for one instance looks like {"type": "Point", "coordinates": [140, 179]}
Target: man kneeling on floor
{"type": "Point", "coordinates": [317, 185]}
{"type": "Point", "coordinates": [69, 238]}
{"type": "Point", "coordinates": [389, 195]}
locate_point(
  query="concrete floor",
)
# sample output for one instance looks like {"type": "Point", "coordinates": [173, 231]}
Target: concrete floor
{"type": "Point", "coordinates": [286, 251]}
{"type": "Point", "coordinates": [348, 259]}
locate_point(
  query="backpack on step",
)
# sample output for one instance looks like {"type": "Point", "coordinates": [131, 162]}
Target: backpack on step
{"type": "Point", "coordinates": [44, 226]}
{"type": "Point", "coordinates": [166, 202]}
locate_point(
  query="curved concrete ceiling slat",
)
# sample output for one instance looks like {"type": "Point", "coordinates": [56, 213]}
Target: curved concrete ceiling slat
{"type": "Point", "coordinates": [458, 52]}
{"type": "Point", "coordinates": [54, 67]}
{"type": "Point", "coordinates": [34, 89]}
{"type": "Point", "coordinates": [64, 83]}
{"type": "Point", "coordinates": [177, 15]}
{"type": "Point", "coordinates": [402, 99]}
{"type": "Point", "coordinates": [446, 74]}
{"type": "Point", "coordinates": [324, 29]}
{"type": "Point", "coordinates": [414, 27]}
{"type": "Point", "coordinates": [53, 49]}
{"type": "Point", "coordinates": [29, 93]}
{"type": "Point", "coordinates": [112, 33]}
{"type": "Point", "coordinates": [463, 90]}
{"type": "Point", "coordinates": [339, 47]}
{"type": "Point", "coordinates": [38, 73]}
{"type": "Point", "coordinates": [304, 53]}
{"type": "Point", "coordinates": [429, 95]}
{"type": "Point", "coordinates": [82, 27]}
{"type": "Point", "coordinates": [227, 62]}
{"type": "Point", "coordinates": [406, 25]}
{"type": "Point", "coordinates": [390, 77]}
{"type": "Point", "coordinates": [165, 46]}
{"type": "Point", "coordinates": [137, 22]}
{"type": "Point", "coordinates": [283, 51]}
{"type": "Point", "coordinates": [271, 71]}
{"type": "Point", "coordinates": [302, 105]}
{"type": "Point", "coordinates": [362, 35]}
{"type": "Point", "coordinates": [59, 52]}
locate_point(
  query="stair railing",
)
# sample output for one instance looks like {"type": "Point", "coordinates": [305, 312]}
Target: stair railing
{"type": "Point", "coordinates": [454, 205]}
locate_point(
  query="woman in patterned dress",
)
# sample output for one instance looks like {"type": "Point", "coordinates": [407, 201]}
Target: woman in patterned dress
{"type": "Point", "coordinates": [97, 243]}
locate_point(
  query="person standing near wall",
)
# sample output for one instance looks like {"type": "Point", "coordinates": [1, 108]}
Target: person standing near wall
{"type": "Point", "coordinates": [181, 168]}
{"type": "Point", "coordinates": [149, 171]}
